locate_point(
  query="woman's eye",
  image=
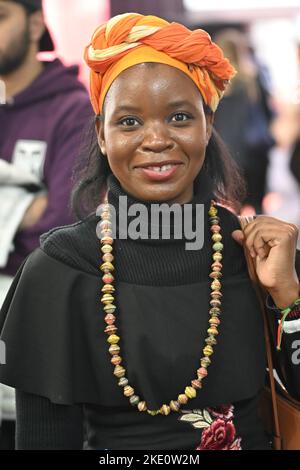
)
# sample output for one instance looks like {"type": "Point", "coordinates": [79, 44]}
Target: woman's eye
{"type": "Point", "coordinates": [129, 122]}
{"type": "Point", "coordinates": [178, 117]}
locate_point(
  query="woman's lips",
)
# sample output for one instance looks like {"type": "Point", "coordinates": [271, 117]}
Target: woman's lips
{"type": "Point", "coordinates": [163, 175]}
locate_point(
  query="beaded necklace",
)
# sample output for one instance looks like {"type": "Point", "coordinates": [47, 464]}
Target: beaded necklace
{"type": "Point", "coordinates": [190, 392]}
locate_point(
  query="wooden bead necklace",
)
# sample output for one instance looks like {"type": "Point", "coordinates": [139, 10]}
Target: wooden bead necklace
{"type": "Point", "coordinates": [109, 308]}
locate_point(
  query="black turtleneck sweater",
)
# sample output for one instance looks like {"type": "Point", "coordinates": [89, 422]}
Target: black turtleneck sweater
{"type": "Point", "coordinates": [57, 354]}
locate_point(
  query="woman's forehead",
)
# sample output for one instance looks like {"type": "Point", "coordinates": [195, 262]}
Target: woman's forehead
{"type": "Point", "coordinates": [153, 80]}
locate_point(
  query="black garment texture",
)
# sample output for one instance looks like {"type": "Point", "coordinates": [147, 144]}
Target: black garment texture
{"type": "Point", "coordinates": [57, 355]}
{"type": "Point", "coordinates": [48, 426]}
{"type": "Point", "coordinates": [118, 428]}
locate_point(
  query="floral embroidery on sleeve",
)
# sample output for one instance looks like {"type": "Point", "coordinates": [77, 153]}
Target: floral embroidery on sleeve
{"type": "Point", "coordinates": [219, 432]}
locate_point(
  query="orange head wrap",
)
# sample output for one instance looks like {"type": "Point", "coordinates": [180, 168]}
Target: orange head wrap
{"type": "Point", "coordinates": [130, 39]}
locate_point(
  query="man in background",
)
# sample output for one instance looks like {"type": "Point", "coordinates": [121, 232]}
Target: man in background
{"type": "Point", "coordinates": [41, 123]}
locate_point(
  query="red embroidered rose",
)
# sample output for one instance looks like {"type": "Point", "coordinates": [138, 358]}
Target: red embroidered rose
{"type": "Point", "coordinates": [220, 435]}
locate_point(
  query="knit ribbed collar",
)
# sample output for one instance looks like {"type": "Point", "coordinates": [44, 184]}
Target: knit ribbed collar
{"type": "Point", "coordinates": [122, 201]}
{"type": "Point", "coordinates": [165, 262]}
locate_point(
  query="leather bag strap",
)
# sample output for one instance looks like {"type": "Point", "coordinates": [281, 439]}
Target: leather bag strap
{"type": "Point", "coordinates": [261, 294]}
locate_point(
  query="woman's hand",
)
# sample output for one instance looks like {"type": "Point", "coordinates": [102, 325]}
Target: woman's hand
{"type": "Point", "coordinates": [272, 242]}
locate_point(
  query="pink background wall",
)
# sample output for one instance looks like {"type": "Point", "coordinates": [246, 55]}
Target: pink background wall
{"type": "Point", "coordinates": [72, 23]}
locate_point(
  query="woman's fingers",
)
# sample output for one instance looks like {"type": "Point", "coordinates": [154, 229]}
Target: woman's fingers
{"type": "Point", "coordinates": [266, 232]}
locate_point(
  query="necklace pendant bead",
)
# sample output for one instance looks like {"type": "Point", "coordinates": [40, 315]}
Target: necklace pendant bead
{"type": "Point", "coordinates": [116, 360]}
{"type": "Point", "coordinates": [214, 321]}
{"type": "Point", "coordinates": [109, 308]}
{"type": "Point", "coordinates": [216, 266]}
{"type": "Point", "coordinates": [106, 249]}
{"type": "Point", "coordinates": [208, 350]}
{"type": "Point", "coordinates": [105, 224]}
{"type": "Point", "coordinates": [216, 237]}
{"type": "Point", "coordinates": [106, 233]}
{"type": "Point", "coordinates": [202, 372]}
{"type": "Point", "coordinates": [110, 329]}
{"type": "Point", "coordinates": [214, 220]}
{"type": "Point", "coordinates": [218, 246]}
{"type": "Point", "coordinates": [128, 391]}
{"type": "Point", "coordinates": [217, 256]}
{"type": "Point", "coordinates": [165, 410]}
{"type": "Point", "coordinates": [110, 319]}
{"type": "Point", "coordinates": [205, 362]}
{"type": "Point", "coordinates": [108, 278]}
{"type": "Point", "coordinates": [216, 285]}
{"type": "Point", "coordinates": [113, 339]}
{"type": "Point", "coordinates": [142, 406]}
{"type": "Point", "coordinates": [213, 211]}
{"type": "Point", "coordinates": [215, 228]}
{"type": "Point", "coordinates": [104, 211]}
{"type": "Point", "coordinates": [214, 311]}
{"type": "Point", "coordinates": [196, 384]}
{"type": "Point", "coordinates": [123, 382]}
{"type": "Point", "coordinates": [114, 349]}
{"type": "Point", "coordinates": [212, 331]}
{"type": "Point", "coordinates": [105, 215]}
{"type": "Point", "coordinates": [216, 294]}
{"type": "Point", "coordinates": [108, 289]}
{"type": "Point", "coordinates": [107, 266]}
{"type": "Point", "coordinates": [190, 392]}
{"type": "Point", "coordinates": [152, 412]}
{"type": "Point", "coordinates": [216, 269]}
{"type": "Point", "coordinates": [119, 371]}
{"type": "Point", "coordinates": [107, 240]}
{"type": "Point", "coordinates": [215, 303]}
{"type": "Point", "coordinates": [211, 341]}
{"type": "Point", "coordinates": [174, 405]}
{"type": "Point", "coordinates": [107, 299]}
{"type": "Point", "coordinates": [108, 257]}
{"type": "Point", "coordinates": [183, 399]}
{"type": "Point", "coordinates": [134, 400]}
{"type": "Point", "coordinates": [215, 275]}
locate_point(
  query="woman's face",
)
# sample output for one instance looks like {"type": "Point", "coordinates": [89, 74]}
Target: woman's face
{"type": "Point", "coordinates": [155, 132]}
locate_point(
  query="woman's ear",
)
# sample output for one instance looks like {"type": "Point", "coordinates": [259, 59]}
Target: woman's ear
{"type": "Point", "coordinates": [209, 125]}
{"type": "Point", "coordinates": [100, 133]}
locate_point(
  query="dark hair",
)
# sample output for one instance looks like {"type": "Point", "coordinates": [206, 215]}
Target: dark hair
{"type": "Point", "coordinates": [92, 170]}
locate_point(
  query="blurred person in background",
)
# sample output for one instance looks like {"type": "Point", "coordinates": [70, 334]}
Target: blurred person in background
{"type": "Point", "coordinates": [295, 156]}
{"type": "Point", "coordinates": [40, 129]}
{"type": "Point", "coordinates": [283, 177]}
{"type": "Point", "coordinates": [247, 131]}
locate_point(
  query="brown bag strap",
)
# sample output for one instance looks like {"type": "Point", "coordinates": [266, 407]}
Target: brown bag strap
{"type": "Point", "coordinates": [261, 294]}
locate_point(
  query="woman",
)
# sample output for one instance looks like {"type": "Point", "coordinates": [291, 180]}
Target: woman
{"type": "Point", "coordinates": [154, 379]}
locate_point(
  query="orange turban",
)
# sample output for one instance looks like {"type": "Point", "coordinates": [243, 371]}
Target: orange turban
{"type": "Point", "coordinates": [130, 39]}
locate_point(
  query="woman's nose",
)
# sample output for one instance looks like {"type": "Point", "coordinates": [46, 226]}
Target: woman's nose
{"type": "Point", "coordinates": [157, 138]}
